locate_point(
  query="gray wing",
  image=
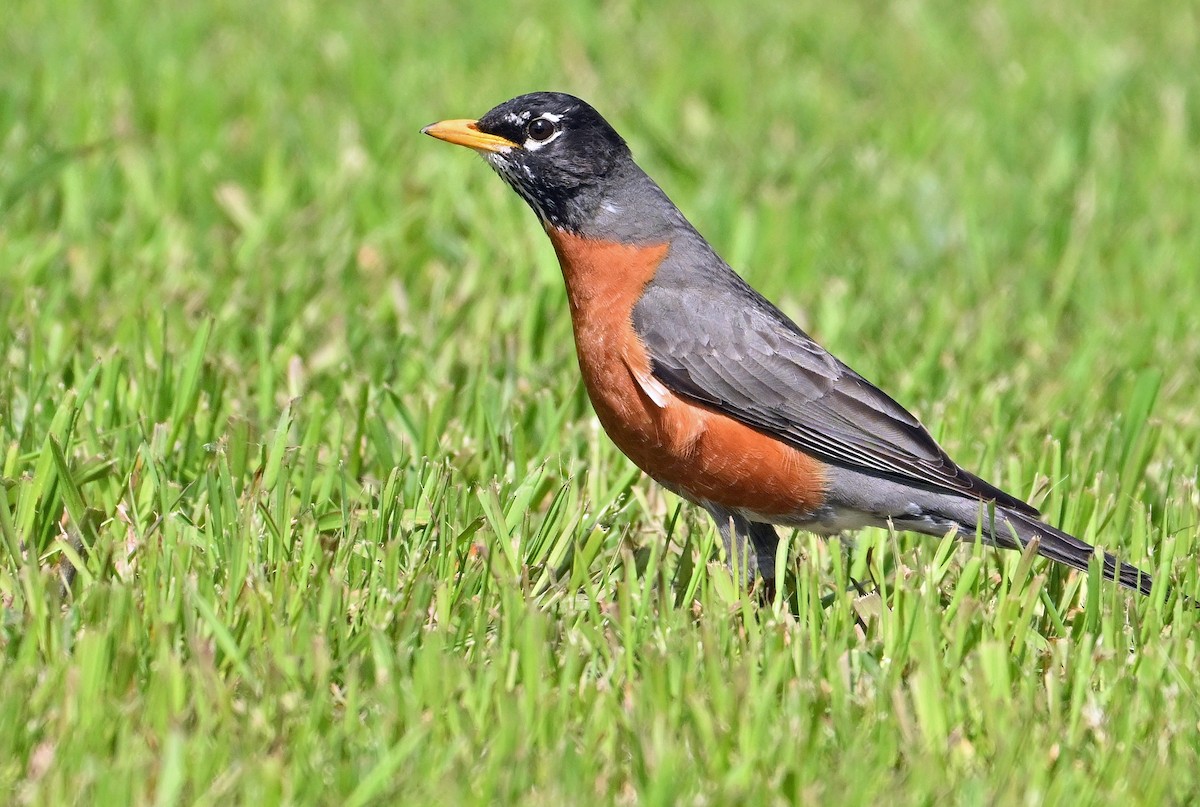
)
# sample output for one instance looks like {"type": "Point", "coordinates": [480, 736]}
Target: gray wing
{"type": "Point", "coordinates": [727, 348]}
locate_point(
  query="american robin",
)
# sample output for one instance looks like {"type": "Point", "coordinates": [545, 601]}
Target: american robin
{"type": "Point", "coordinates": [708, 387]}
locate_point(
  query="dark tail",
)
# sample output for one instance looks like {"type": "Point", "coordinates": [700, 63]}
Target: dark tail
{"type": "Point", "coordinates": [1063, 548]}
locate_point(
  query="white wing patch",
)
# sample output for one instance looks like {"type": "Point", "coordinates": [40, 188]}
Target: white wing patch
{"type": "Point", "coordinates": [650, 386]}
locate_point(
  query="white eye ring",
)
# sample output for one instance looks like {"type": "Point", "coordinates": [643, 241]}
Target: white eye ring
{"type": "Point", "coordinates": [538, 126]}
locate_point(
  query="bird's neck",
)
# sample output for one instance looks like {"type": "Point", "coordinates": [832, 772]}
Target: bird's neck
{"type": "Point", "coordinates": [629, 208]}
{"type": "Point", "coordinates": [614, 249]}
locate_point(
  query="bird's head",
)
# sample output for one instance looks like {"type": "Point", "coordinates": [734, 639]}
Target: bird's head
{"type": "Point", "coordinates": [555, 150]}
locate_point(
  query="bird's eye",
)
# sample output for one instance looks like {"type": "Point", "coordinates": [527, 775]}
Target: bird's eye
{"type": "Point", "coordinates": [540, 129]}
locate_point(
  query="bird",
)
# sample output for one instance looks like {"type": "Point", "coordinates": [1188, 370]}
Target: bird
{"type": "Point", "coordinates": [708, 387]}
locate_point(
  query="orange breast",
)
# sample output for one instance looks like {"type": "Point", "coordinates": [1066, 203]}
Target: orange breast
{"type": "Point", "coordinates": [692, 449]}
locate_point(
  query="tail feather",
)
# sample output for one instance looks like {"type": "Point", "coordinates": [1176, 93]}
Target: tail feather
{"type": "Point", "coordinates": [1064, 548]}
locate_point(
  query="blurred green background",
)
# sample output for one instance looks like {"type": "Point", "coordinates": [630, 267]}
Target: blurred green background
{"type": "Point", "coordinates": [293, 387]}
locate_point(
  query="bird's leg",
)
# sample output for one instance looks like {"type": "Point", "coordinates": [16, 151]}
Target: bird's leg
{"type": "Point", "coordinates": [846, 541]}
{"type": "Point", "coordinates": [870, 570]}
{"type": "Point", "coordinates": [765, 542]}
{"type": "Point", "coordinates": [733, 534]}
{"type": "Point", "coordinates": [861, 591]}
{"type": "Point", "coordinates": [749, 545]}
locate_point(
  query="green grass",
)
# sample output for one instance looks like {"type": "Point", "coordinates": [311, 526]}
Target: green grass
{"type": "Point", "coordinates": [293, 387]}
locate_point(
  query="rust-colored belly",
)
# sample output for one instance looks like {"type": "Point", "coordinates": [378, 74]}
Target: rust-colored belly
{"type": "Point", "coordinates": [694, 450]}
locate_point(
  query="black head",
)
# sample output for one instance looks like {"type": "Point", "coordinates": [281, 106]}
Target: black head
{"type": "Point", "coordinates": [552, 148]}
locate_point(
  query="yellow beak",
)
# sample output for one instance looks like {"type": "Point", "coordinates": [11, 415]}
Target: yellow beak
{"type": "Point", "coordinates": [466, 133]}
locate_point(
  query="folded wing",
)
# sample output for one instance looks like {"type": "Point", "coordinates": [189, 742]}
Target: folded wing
{"type": "Point", "coordinates": [730, 350]}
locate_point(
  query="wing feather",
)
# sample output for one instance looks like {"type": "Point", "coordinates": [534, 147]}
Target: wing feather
{"type": "Point", "coordinates": [731, 350]}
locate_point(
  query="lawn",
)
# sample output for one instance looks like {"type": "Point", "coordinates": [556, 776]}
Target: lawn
{"type": "Point", "coordinates": [302, 500]}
